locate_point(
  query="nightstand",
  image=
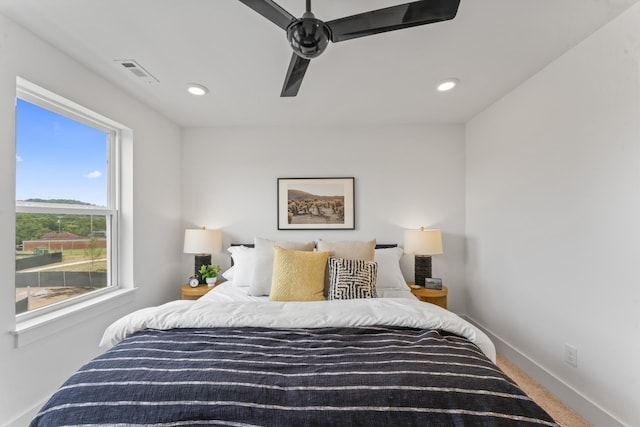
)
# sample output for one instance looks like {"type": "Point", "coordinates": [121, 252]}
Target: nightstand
{"type": "Point", "coordinates": [187, 292]}
{"type": "Point", "coordinates": [434, 296]}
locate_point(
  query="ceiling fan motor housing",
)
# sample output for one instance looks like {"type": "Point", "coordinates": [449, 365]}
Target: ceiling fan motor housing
{"type": "Point", "coordinates": [308, 36]}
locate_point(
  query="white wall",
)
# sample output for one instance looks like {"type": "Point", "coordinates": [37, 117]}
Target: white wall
{"type": "Point", "coordinates": [552, 219]}
{"type": "Point", "coordinates": [153, 225]}
{"type": "Point", "coordinates": [405, 177]}
{"type": "Point", "coordinates": [551, 208]}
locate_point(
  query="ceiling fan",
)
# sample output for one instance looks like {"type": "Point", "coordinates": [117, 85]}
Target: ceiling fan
{"type": "Point", "coordinates": [309, 36]}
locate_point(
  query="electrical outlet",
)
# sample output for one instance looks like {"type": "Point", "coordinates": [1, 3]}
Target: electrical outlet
{"type": "Point", "coordinates": [571, 355]}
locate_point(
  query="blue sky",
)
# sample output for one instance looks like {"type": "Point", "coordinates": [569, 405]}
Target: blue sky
{"type": "Point", "coordinates": [59, 158]}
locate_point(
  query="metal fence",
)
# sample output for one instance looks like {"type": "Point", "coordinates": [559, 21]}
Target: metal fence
{"type": "Point", "coordinates": [61, 278]}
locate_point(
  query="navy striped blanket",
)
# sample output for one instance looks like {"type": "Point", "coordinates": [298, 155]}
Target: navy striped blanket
{"type": "Point", "coordinates": [249, 376]}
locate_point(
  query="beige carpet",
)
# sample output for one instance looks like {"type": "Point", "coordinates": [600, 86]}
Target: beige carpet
{"type": "Point", "coordinates": [558, 410]}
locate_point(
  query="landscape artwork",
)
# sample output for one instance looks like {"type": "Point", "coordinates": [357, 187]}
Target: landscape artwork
{"type": "Point", "coordinates": [316, 204]}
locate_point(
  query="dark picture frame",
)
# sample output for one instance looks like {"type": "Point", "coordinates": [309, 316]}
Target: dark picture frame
{"type": "Point", "coordinates": [316, 204]}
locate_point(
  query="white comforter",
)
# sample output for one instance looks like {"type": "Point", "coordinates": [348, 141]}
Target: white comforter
{"type": "Point", "coordinates": [347, 313]}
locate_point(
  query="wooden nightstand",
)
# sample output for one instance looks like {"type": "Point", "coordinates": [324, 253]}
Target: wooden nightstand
{"type": "Point", "coordinates": [187, 292]}
{"type": "Point", "coordinates": [434, 296]}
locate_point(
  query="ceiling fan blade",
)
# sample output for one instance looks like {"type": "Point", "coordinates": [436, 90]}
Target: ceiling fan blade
{"type": "Point", "coordinates": [272, 11]}
{"type": "Point", "coordinates": [392, 18]}
{"type": "Point", "coordinates": [295, 74]}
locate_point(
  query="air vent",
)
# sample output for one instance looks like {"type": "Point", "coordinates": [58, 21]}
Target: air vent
{"type": "Point", "coordinates": [137, 70]}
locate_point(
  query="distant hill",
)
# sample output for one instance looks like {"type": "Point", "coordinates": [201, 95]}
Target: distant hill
{"type": "Point", "coordinates": [59, 201]}
{"type": "Point", "coordinates": [303, 195]}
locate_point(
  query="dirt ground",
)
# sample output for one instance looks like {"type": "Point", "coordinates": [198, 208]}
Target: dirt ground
{"type": "Point", "coordinates": [72, 261]}
{"type": "Point", "coordinates": [39, 297]}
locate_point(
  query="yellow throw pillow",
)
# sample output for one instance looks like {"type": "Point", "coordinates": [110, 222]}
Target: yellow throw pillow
{"type": "Point", "coordinates": [298, 275]}
{"type": "Point", "coordinates": [263, 266]}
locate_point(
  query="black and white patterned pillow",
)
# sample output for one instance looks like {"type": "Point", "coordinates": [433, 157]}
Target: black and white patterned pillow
{"type": "Point", "coordinates": [352, 278]}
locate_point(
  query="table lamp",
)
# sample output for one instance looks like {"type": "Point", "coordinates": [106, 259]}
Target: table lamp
{"type": "Point", "coordinates": [203, 243]}
{"type": "Point", "coordinates": [422, 243]}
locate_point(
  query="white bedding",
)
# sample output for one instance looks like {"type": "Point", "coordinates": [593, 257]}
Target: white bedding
{"type": "Point", "coordinates": [227, 291]}
{"type": "Point", "coordinates": [220, 309]}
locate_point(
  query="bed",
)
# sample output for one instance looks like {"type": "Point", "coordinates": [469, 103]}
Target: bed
{"type": "Point", "coordinates": [235, 357]}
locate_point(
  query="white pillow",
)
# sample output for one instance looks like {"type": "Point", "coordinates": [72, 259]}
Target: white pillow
{"type": "Point", "coordinates": [389, 273]}
{"type": "Point", "coordinates": [243, 261]}
{"type": "Point", "coordinates": [263, 265]}
{"type": "Point", "coordinates": [228, 274]}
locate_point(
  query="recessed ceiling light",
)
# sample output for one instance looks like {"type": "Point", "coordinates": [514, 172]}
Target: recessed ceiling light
{"type": "Point", "coordinates": [197, 89]}
{"type": "Point", "coordinates": [448, 84]}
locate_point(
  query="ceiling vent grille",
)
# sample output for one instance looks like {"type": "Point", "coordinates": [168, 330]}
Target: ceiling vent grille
{"type": "Point", "coordinates": [137, 70]}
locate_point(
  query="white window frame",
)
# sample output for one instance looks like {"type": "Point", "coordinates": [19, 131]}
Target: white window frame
{"type": "Point", "coordinates": [37, 95]}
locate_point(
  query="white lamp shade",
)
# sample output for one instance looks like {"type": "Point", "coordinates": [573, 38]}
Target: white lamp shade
{"type": "Point", "coordinates": [202, 241]}
{"type": "Point", "coordinates": [423, 242]}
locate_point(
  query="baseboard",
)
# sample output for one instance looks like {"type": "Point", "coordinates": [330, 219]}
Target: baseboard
{"type": "Point", "coordinates": [24, 419]}
{"type": "Point", "coordinates": [589, 410]}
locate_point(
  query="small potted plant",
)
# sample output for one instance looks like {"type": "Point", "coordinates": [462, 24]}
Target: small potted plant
{"type": "Point", "coordinates": [209, 273]}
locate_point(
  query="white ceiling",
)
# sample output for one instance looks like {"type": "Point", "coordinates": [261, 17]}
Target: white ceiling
{"type": "Point", "coordinates": [491, 46]}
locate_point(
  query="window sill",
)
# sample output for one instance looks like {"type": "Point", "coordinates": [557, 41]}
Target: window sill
{"type": "Point", "coordinates": [34, 329]}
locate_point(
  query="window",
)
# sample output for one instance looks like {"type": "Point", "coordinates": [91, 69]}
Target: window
{"type": "Point", "coordinates": [66, 202]}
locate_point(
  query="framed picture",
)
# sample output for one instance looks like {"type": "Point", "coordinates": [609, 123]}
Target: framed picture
{"type": "Point", "coordinates": [433, 283]}
{"type": "Point", "coordinates": [316, 204]}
